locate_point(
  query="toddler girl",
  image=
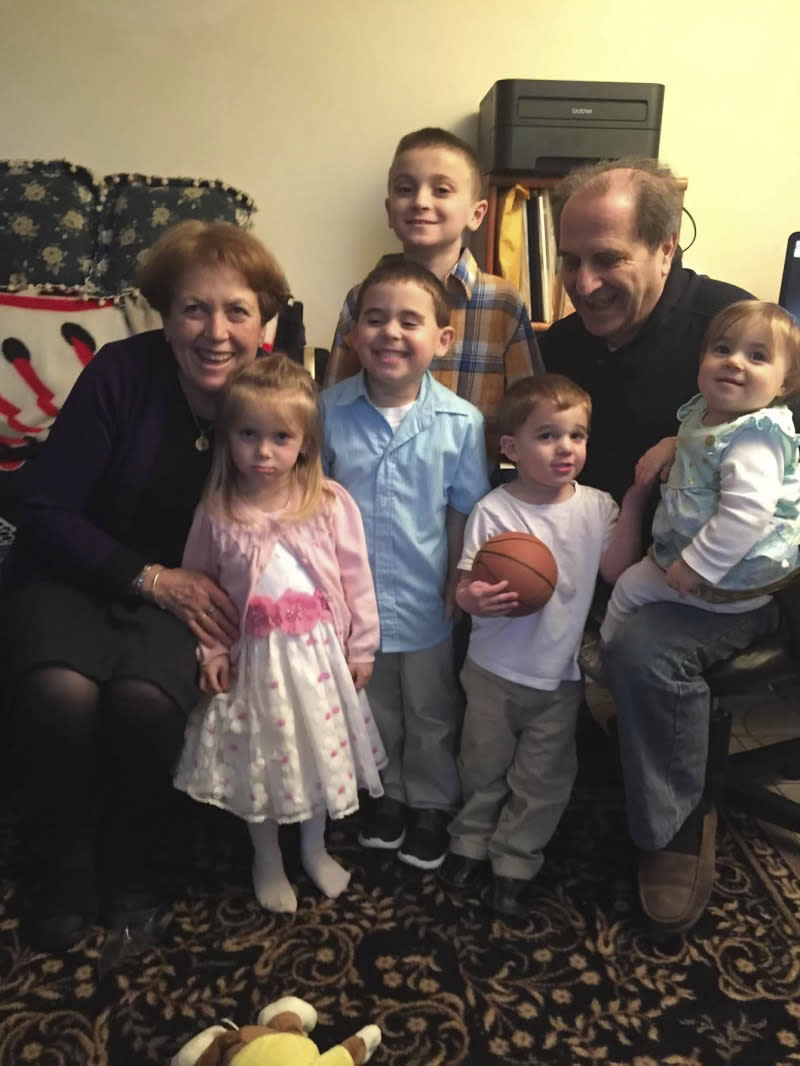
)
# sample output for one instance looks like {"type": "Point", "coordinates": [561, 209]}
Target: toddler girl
{"type": "Point", "coordinates": [285, 732]}
{"type": "Point", "coordinates": [726, 531]}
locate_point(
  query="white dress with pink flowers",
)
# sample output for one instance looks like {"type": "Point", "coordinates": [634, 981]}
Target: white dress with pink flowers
{"type": "Point", "coordinates": [292, 737]}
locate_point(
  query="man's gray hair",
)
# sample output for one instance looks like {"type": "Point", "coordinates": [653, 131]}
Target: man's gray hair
{"type": "Point", "coordinates": [658, 195]}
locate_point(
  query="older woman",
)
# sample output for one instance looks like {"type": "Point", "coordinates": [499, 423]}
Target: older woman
{"type": "Point", "coordinates": [100, 622]}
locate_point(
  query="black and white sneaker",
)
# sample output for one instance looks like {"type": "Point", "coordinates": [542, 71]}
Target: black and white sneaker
{"type": "Point", "coordinates": [427, 839]}
{"type": "Point", "coordinates": [384, 825]}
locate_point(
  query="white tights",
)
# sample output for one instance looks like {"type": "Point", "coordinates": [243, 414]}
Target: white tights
{"type": "Point", "coordinates": [270, 883]}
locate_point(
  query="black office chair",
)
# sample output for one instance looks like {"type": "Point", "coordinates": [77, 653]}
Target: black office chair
{"type": "Point", "coordinates": [741, 779]}
{"type": "Point", "coordinates": [290, 334]}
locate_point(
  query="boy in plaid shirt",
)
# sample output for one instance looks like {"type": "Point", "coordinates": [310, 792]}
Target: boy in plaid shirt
{"type": "Point", "coordinates": [434, 197]}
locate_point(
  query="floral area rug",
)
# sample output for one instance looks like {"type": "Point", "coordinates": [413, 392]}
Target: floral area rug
{"type": "Point", "coordinates": [576, 981]}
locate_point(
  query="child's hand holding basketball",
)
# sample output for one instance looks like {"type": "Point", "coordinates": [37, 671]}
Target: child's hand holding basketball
{"type": "Point", "coordinates": [485, 600]}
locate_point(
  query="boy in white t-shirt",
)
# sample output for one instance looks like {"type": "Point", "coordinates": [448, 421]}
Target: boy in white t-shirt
{"type": "Point", "coordinates": [517, 761]}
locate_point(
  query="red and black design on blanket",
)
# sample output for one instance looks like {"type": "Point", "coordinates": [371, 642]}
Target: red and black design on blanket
{"type": "Point", "coordinates": [45, 342]}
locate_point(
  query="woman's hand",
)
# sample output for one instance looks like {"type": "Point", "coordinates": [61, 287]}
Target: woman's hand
{"type": "Point", "coordinates": [485, 600]}
{"type": "Point", "coordinates": [196, 600]}
{"type": "Point", "coordinates": [360, 673]}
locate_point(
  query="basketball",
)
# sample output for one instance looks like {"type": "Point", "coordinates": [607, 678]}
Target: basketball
{"type": "Point", "coordinates": [524, 562]}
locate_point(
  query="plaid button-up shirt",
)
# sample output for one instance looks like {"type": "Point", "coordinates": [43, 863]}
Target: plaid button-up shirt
{"type": "Point", "coordinates": [494, 344]}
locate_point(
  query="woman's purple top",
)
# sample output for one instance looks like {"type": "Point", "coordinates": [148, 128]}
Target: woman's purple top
{"type": "Point", "coordinates": [116, 484]}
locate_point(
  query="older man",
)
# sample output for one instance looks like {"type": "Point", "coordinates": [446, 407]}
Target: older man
{"type": "Point", "coordinates": [634, 344]}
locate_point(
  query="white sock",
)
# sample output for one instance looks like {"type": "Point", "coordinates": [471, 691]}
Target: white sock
{"type": "Point", "coordinates": [270, 883]}
{"type": "Point", "coordinates": [325, 872]}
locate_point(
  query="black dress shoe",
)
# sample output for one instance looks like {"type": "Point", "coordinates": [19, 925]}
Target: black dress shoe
{"type": "Point", "coordinates": [55, 919]}
{"type": "Point", "coordinates": [61, 891]}
{"type": "Point", "coordinates": [508, 896]}
{"type": "Point", "coordinates": [54, 932]}
{"type": "Point", "coordinates": [133, 909]}
{"type": "Point", "coordinates": [459, 871]}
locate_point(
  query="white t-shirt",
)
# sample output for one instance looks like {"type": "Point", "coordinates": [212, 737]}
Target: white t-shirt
{"type": "Point", "coordinates": [541, 649]}
{"type": "Point", "coordinates": [394, 415]}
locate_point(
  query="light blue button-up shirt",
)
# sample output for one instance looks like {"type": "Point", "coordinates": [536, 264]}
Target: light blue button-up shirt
{"type": "Point", "coordinates": [403, 481]}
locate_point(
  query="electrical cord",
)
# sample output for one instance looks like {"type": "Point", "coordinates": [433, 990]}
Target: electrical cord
{"type": "Point", "coordinates": [694, 229]}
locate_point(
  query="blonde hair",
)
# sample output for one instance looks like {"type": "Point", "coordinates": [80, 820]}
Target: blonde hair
{"type": "Point", "coordinates": [278, 381]}
{"type": "Point", "coordinates": [784, 329]}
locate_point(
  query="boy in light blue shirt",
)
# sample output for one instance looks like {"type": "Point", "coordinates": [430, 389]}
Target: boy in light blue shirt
{"type": "Point", "coordinates": [412, 455]}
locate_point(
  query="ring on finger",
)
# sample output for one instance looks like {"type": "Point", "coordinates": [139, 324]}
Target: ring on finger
{"type": "Point", "coordinates": [210, 610]}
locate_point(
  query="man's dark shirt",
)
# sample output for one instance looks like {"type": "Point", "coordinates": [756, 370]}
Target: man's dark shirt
{"type": "Point", "coordinates": [637, 389]}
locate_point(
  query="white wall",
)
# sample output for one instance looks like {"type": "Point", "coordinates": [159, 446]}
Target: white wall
{"type": "Point", "coordinates": [301, 102]}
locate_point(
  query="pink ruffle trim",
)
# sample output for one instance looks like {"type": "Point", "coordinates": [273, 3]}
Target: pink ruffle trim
{"type": "Point", "coordinates": [292, 612]}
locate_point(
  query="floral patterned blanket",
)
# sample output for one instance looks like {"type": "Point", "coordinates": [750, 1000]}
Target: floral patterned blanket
{"type": "Point", "coordinates": [70, 247]}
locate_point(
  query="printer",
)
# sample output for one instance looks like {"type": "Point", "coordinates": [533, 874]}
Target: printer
{"type": "Point", "coordinates": [549, 127]}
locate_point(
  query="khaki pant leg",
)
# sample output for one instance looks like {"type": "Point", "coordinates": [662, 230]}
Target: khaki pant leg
{"type": "Point", "coordinates": [540, 779]}
{"type": "Point", "coordinates": [488, 744]}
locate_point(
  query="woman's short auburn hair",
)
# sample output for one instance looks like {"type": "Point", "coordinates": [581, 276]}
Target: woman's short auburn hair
{"type": "Point", "coordinates": [195, 243]}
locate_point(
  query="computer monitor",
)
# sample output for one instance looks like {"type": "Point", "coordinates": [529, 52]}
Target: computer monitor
{"type": "Point", "coordinates": [790, 283]}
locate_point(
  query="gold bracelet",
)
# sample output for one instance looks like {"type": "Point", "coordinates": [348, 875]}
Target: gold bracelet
{"type": "Point", "coordinates": [156, 601]}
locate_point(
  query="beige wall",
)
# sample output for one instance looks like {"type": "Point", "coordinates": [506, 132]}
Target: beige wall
{"type": "Point", "coordinates": [300, 103]}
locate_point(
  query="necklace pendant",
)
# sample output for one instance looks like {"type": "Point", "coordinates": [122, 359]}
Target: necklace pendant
{"type": "Point", "coordinates": [201, 443]}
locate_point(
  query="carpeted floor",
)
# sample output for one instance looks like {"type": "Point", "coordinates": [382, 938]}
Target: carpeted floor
{"type": "Point", "coordinates": [448, 983]}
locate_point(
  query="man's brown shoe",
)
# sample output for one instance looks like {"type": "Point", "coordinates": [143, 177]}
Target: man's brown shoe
{"type": "Point", "coordinates": [674, 888]}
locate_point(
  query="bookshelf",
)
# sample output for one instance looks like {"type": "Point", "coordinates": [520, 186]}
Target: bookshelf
{"type": "Point", "coordinates": [498, 185]}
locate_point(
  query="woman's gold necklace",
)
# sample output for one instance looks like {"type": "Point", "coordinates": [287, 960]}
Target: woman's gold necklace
{"type": "Point", "coordinates": [202, 442]}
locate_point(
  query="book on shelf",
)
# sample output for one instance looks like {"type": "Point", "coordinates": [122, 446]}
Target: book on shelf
{"type": "Point", "coordinates": [527, 253]}
{"type": "Point", "coordinates": [512, 241]}
{"type": "Point", "coordinates": [525, 267]}
{"type": "Point", "coordinates": [537, 308]}
{"type": "Point", "coordinates": [545, 267]}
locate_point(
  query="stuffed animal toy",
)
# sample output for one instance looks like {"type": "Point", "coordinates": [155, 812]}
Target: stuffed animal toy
{"type": "Point", "coordinates": [280, 1038]}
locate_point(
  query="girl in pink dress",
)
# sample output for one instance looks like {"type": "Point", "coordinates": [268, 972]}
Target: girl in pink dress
{"type": "Point", "coordinates": [285, 732]}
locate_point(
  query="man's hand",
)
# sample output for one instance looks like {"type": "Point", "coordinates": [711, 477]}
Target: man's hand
{"type": "Point", "coordinates": [682, 578]}
{"type": "Point", "coordinates": [656, 462]}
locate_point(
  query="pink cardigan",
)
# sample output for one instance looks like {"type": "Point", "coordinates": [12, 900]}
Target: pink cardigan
{"type": "Point", "coordinates": [331, 547]}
